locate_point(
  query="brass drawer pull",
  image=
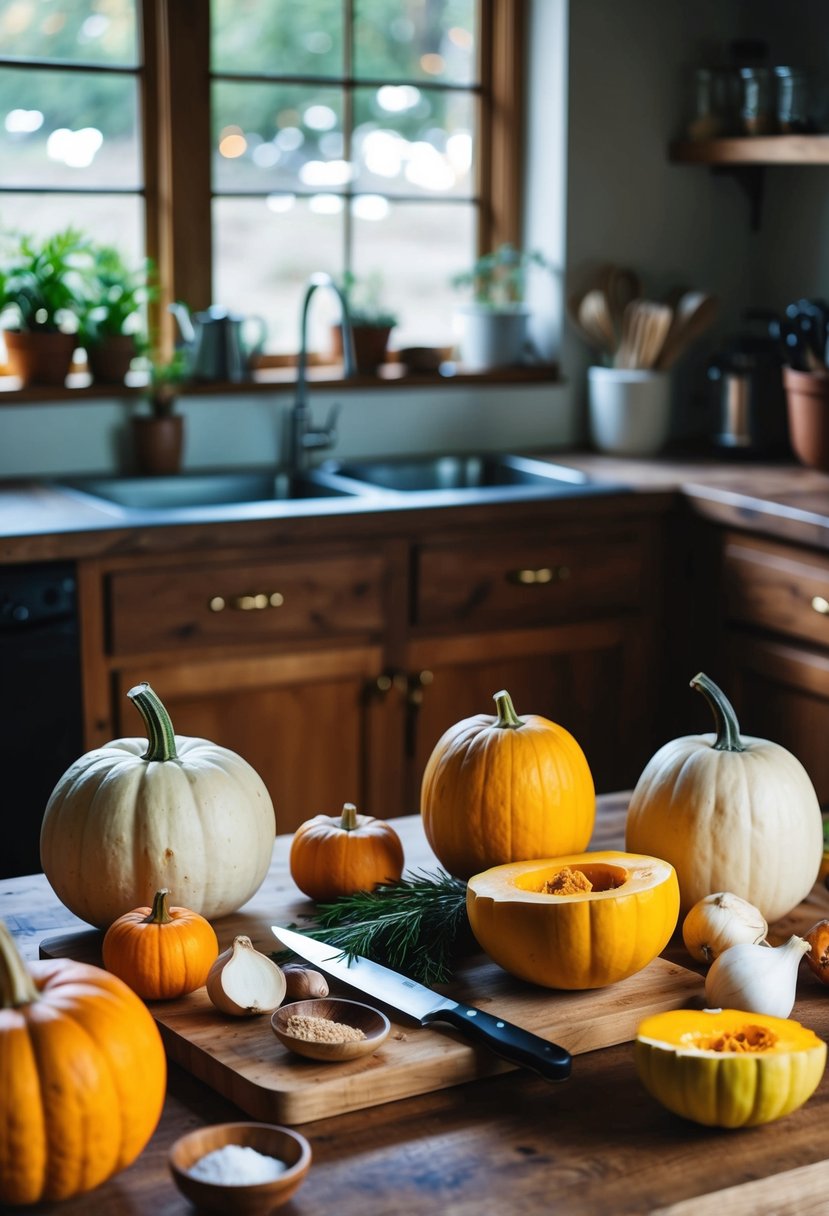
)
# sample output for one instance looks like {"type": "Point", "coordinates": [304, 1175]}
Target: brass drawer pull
{"type": "Point", "coordinates": [539, 577]}
{"type": "Point", "coordinates": [820, 605]}
{"type": "Point", "coordinates": [247, 603]}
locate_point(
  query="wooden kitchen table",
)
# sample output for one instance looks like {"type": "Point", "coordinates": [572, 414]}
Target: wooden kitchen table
{"type": "Point", "coordinates": [509, 1144]}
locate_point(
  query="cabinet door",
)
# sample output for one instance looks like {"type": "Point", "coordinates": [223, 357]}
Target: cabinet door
{"type": "Point", "coordinates": [781, 692]}
{"type": "Point", "coordinates": [587, 678]}
{"type": "Point", "coordinates": [306, 723]}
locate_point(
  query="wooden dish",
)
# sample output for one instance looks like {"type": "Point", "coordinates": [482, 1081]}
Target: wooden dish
{"type": "Point", "coordinates": [241, 1200]}
{"type": "Point", "coordinates": [374, 1025]}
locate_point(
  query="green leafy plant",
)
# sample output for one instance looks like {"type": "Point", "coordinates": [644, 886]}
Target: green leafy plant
{"type": "Point", "coordinates": [364, 299]}
{"type": "Point", "coordinates": [115, 295]}
{"type": "Point", "coordinates": [165, 378]}
{"type": "Point", "coordinates": [44, 281]}
{"type": "Point", "coordinates": [416, 925]}
{"type": "Point", "coordinates": [499, 279]}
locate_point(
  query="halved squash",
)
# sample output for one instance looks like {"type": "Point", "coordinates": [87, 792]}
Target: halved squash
{"type": "Point", "coordinates": [582, 921]}
{"type": "Point", "coordinates": [726, 1068]}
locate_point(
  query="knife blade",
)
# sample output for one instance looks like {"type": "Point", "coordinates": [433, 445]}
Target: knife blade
{"type": "Point", "coordinates": [511, 1042]}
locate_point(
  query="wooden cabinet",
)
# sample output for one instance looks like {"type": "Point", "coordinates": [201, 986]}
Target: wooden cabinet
{"type": "Point", "coordinates": [333, 666]}
{"type": "Point", "coordinates": [776, 646]}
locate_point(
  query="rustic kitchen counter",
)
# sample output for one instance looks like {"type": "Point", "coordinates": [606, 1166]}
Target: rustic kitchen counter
{"type": "Point", "coordinates": [40, 521]}
{"type": "Point", "coordinates": [593, 1146]}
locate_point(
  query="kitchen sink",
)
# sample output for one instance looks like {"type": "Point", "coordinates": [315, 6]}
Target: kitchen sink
{"type": "Point", "coordinates": [206, 489]}
{"type": "Point", "coordinates": [464, 473]}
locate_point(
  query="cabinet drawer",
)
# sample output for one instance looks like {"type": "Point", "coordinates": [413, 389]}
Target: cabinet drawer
{"type": "Point", "coordinates": [237, 603]}
{"type": "Point", "coordinates": [777, 587]}
{"type": "Point", "coordinates": [511, 580]}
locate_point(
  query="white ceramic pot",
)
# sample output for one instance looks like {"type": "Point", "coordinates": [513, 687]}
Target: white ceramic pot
{"type": "Point", "coordinates": [492, 337]}
{"type": "Point", "coordinates": [629, 410]}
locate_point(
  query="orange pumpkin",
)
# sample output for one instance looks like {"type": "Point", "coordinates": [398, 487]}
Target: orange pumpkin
{"type": "Point", "coordinates": [161, 952]}
{"type": "Point", "coordinates": [333, 857]}
{"type": "Point", "coordinates": [506, 788]}
{"type": "Point", "coordinates": [84, 1076]}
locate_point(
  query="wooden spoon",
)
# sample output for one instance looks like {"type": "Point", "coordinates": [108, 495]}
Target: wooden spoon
{"type": "Point", "coordinates": [694, 314]}
{"type": "Point", "coordinates": [596, 321]}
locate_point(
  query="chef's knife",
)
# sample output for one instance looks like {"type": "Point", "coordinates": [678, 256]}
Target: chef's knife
{"type": "Point", "coordinates": [519, 1046]}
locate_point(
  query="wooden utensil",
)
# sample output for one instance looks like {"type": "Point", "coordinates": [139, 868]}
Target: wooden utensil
{"type": "Point", "coordinates": [645, 327]}
{"type": "Point", "coordinates": [621, 286]}
{"type": "Point", "coordinates": [596, 321]}
{"type": "Point", "coordinates": [694, 314]}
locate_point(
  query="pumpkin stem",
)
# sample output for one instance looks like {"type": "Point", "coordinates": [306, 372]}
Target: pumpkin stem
{"type": "Point", "coordinates": [161, 738]}
{"type": "Point", "coordinates": [16, 984]}
{"type": "Point", "coordinates": [348, 822]}
{"type": "Point", "coordinates": [507, 717]}
{"type": "Point", "coordinates": [160, 913]}
{"type": "Point", "coordinates": [728, 728]}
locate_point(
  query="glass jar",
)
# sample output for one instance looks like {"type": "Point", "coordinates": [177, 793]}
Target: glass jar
{"type": "Point", "coordinates": [712, 108]}
{"type": "Point", "coordinates": [793, 101]}
{"type": "Point", "coordinates": [756, 100]}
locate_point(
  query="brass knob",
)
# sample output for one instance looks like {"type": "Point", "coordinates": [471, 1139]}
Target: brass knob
{"type": "Point", "coordinates": [538, 577]}
{"type": "Point", "coordinates": [247, 603]}
{"type": "Point", "coordinates": [820, 605]}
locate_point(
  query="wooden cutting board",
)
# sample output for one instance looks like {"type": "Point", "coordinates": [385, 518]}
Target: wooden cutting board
{"type": "Point", "coordinates": [243, 1060]}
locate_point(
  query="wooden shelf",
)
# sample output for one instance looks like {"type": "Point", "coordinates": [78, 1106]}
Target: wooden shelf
{"type": "Point", "coordinates": [753, 150]}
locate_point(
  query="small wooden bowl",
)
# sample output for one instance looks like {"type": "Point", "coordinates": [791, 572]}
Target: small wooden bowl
{"type": "Point", "coordinates": [241, 1200]}
{"type": "Point", "coordinates": [374, 1025]}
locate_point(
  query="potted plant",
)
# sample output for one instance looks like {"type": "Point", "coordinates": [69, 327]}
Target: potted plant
{"type": "Point", "coordinates": [371, 322]}
{"type": "Point", "coordinates": [494, 322]}
{"type": "Point", "coordinates": [41, 286]}
{"type": "Point", "coordinates": [110, 314]}
{"type": "Point", "coordinates": [158, 436]}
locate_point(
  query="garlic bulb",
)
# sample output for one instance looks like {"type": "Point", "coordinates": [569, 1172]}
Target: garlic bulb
{"type": "Point", "coordinates": [757, 979]}
{"type": "Point", "coordinates": [303, 982]}
{"type": "Point", "coordinates": [719, 921]}
{"type": "Point", "coordinates": [242, 981]}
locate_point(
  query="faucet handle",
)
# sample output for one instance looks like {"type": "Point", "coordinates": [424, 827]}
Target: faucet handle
{"type": "Point", "coordinates": [331, 420]}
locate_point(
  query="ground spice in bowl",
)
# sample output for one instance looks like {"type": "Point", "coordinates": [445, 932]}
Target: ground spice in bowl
{"type": "Point", "coordinates": [237, 1165]}
{"type": "Point", "coordinates": [322, 1030]}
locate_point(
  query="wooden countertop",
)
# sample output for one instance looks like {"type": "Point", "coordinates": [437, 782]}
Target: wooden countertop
{"type": "Point", "coordinates": [39, 521]}
{"type": "Point", "coordinates": [596, 1145]}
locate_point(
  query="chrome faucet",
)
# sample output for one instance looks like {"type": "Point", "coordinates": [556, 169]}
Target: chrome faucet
{"type": "Point", "coordinates": [304, 437]}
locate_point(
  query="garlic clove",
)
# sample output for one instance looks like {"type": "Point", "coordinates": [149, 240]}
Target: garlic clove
{"type": "Point", "coordinates": [756, 978]}
{"type": "Point", "coordinates": [303, 983]}
{"type": "Point", "coordinates": [242, 981]}
{"type": "Point", "coordinates": [721, 920]}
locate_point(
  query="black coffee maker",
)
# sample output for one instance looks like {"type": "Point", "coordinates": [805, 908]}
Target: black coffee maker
{"type": "Point", "coordinates": [750, 402]}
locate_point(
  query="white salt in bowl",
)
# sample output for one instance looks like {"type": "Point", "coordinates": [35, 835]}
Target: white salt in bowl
{"type": "Point", "coordinates": [374, 1025]}
{"type": "Point", "coordinates": [256, 1199]}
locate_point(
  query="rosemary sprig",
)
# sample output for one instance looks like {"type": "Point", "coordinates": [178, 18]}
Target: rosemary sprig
{"type": "Point", "coordinates": [415, 925]}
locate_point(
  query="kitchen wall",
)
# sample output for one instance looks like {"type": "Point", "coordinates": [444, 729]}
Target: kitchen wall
{"type": "Point", "coordinates": [606, 94]}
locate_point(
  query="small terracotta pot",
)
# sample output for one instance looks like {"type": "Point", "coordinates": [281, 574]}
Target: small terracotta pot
{"type": "Point", "coordinates": [158, 443]}
{"type": "Point", "coordinates": [370, 344]}
{"type": "Point", "coordinates": [807, 398]}
{"type": "Point", "coordinates": [39, 357]}
{"type": "Point", "coordinates": [109, 361]}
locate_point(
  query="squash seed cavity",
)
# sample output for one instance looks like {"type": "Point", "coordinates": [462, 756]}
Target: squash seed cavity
{"type": "Point", "coordinates": [737, 1042]}
{"type": "Point", "coordinates": [566, 882]}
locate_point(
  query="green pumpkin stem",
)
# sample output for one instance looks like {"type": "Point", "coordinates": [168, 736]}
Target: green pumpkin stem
{"type": "Point", "coordinates": [728, 728]}
{"type": "Point", "coordinates": [160, 912]}
{"type": "Point", "coordinates": [16, 984]}
{"type": "Point", "coordinates": [507, 717]}
{"type": "Point", "coordinates": [348, 822]}
{"type": "Point", "coordinates": [161, 738]}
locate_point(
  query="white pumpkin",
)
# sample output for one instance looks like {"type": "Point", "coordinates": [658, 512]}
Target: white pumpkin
{"type": "Point", "coordinates": [729, 813]}
{"type": "Point", "coordinates": [134, 816]}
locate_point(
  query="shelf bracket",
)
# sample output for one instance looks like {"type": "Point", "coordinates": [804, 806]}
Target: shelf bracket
{"type": "Point", "coordinates": [751, 180]}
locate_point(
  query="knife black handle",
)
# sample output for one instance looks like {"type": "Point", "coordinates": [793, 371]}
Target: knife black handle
{"type": "Point", "coordinates": [511, 1042]}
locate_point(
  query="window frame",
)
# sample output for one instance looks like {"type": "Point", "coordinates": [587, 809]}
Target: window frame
{"type": "Point", "coordinates": [176, 84]}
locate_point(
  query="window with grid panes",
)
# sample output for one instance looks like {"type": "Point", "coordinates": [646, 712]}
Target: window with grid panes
{"type": "Point", "coordinates": [244, 144]}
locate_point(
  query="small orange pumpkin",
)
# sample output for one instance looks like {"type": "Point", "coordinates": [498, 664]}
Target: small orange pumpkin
{"type": "Point", "coordinates": [506, 788]}
{"type": "Point", "coordinates": [333, 857]}
{"type": "Point", "coordinates": [84, 1076]}
{"type": "Point", "coordinates": [161, 952]}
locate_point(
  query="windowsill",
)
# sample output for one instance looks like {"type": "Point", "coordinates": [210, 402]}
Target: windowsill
{"type": "Point", "coordinates": [79, 385]}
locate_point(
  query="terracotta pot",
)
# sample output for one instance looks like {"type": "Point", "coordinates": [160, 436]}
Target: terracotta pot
{"type": "Point", "coordinates": [158, 443]}
{"type": "Point", "coordinates": [370, 344]}
{"type": "Point", "coordinates": [39, 357]}
{"type": "Point", "coordinates": [807, 399]}
{"type": "Point", "coordinates": [109, 361]}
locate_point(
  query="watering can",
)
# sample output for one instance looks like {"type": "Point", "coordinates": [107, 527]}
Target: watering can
{"type": "Point", "coordinates": [219, 344]}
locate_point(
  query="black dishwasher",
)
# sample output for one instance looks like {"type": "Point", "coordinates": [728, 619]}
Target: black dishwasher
{"type": "Point", "coordinates": [40, 701]}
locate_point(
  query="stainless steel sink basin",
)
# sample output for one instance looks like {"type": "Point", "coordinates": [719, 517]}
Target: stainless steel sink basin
{"type": "Point", "coordinates": [206, 489]}
{"type": "Point", "coordinates": [419, 474]}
